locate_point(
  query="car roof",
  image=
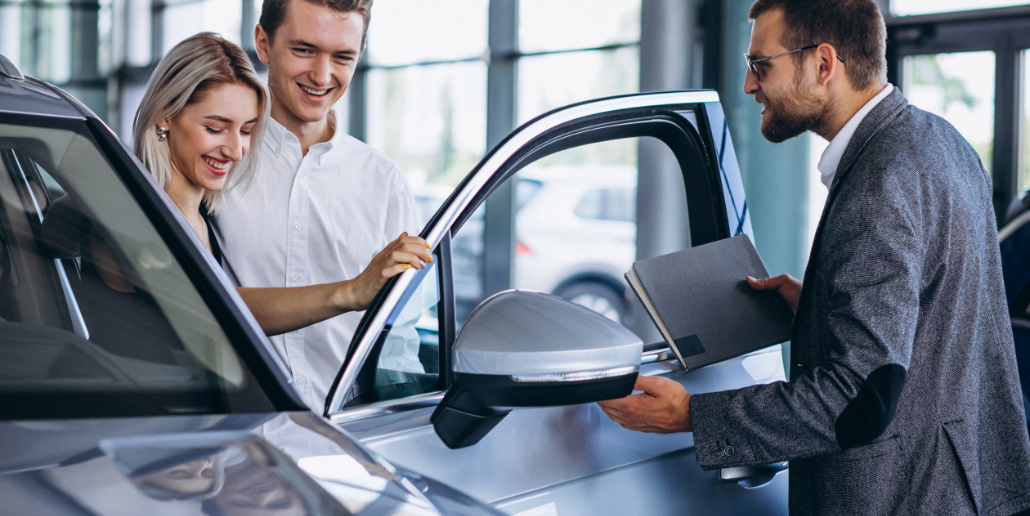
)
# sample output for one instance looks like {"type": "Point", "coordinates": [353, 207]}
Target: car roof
{"type": "Point", "coordinates": [29, 95]}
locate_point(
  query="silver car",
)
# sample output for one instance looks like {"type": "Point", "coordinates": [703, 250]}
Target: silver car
{"type": "Point", "coordinates": [502, 408]}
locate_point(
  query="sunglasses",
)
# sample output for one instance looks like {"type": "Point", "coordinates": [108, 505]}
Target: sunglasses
{"type": "Point", "coordinates": [754, 69]}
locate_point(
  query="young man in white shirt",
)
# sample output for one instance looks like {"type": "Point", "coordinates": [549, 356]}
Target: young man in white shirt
{"type": "Point", "coordinates": [322, 204]}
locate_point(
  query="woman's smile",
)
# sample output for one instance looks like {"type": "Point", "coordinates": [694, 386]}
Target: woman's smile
{"type": "Point", "coordinates": [218, 167]}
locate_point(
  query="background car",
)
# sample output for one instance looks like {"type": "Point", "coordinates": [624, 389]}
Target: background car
{"type": "Point", "coordinates": [132, 378]}
{"type": "Point", "coordinates": [575, 236]}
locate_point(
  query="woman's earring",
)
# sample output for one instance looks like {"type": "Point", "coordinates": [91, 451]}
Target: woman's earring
{"type": "Point", "coordinates": [162, 133]}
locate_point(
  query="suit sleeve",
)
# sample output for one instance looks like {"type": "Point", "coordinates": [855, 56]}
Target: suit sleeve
{"type": "Point", "coordinates": [872, 254]}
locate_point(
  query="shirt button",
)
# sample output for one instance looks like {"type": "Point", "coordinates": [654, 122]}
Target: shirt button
{"type": "Point", "coordinates": [297, 227]}
{"type": "Point", "coordinates": [278, 150]}
{"type": "Point", "coordinates": [296, 278]}
{"type": "Point", "coordinates": [320, 159]}
{"type": "Point", "coordinates": [303, 381]}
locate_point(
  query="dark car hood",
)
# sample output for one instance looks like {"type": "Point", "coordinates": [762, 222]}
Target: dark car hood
{"type": "Point", "coordinates": [288, 464]}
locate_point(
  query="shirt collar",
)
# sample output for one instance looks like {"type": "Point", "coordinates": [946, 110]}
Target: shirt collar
{"type": "Point", "coordinates": [835, 151]}
{"type": "Point", "coordinates": [276, 133]}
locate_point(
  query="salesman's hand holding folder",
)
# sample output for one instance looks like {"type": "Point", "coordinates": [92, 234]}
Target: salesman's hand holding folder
{"type": "Point", "coordinates": [707, 311]}
{"type": "Point", "coordinates": [700, 302]}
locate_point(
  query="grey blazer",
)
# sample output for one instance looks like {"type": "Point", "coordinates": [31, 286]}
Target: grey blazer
{"type": "Point", "coordinates": [903, 395]}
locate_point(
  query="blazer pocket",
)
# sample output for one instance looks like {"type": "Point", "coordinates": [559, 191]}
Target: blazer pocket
{"type": "Point", "coordinates": [889, 446]}
{"type": "Point", "coordinates": [962, 441]}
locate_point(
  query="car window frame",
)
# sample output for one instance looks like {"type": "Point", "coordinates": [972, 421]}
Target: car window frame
{"type": "Point", "coordinates": [686, 129]}
{"type": "Point", "coordinates": [239, 326]}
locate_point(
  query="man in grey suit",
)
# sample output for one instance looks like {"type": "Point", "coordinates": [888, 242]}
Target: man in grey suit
{"type": "Point", "coordinates": [903, 395]}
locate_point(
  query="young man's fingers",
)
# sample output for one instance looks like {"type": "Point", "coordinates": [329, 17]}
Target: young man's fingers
{"type": "Point", "coordinates": [407, 258]}
{"type": "Point", "coordinates": [394, 270]}
{"type": "Point", "coordinates": [419, 250]}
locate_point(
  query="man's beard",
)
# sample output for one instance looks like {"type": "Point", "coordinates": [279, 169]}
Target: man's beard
{"type": "Point", "coordinates": [797, 112]}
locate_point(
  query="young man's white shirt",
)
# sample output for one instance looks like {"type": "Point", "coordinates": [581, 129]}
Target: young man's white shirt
{"type": "Point", "coordinates": [319, 218]}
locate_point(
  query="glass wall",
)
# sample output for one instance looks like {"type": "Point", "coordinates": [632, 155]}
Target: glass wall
{"type": "Point", "coordinates": [958, 87]}
{"type": "Point", "coordinates": [912, 7]}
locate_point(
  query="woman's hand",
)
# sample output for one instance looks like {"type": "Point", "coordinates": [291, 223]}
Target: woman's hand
{"type": "Point", "coordinates": [400, 255]}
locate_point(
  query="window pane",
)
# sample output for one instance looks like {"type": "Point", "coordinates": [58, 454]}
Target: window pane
{"type": "Point", "coordinates": [910, 7]}
{"type": "Point", "coordinates": [409, 362]}
{"type": "Point", "coordinates": [431, 120]}
{"type": "Point", "coordinates": [186, 18]}
{"type": "Point", "coordinates": [545, 24]}
{"type": "Point", "coordinates": [573, 237]}
{"type": "Point", "coordinates": [1024, 123]}
{"type": "Point", "coordinates": [960, 88]}
{"type": "Point", "coordinates": [552, 81]}
{"type": "Point", "coordinates": [10, 33]}
{"type": "Point", "coordinates": [96, 315]}
{"type": "Point", "coordinates": [415, 31]}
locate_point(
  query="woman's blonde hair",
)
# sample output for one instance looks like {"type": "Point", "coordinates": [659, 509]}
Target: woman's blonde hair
{"type": "Point", "coordinates": [182, 77]}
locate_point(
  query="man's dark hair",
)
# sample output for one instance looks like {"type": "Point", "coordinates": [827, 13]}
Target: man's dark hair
{"type": "Point", "coordinates": [855, 28]}
{"type": "Point", "coordinates": [273, 13]}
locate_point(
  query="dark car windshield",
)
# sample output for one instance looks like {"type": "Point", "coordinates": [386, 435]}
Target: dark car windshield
{"type": "Point", "coordinates": [97, 317]}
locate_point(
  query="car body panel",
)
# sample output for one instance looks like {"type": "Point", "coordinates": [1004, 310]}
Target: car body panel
{"type": "Point", "coordinates": [114, 466]}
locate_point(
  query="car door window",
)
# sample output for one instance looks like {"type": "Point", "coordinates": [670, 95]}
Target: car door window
{"type": "Point", "coordinates": [97, 318]}
{"type": "Point", "coordinates": [558, 251]}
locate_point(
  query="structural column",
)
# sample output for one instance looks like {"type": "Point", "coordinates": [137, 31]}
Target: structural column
{"type": "Point", "coordinates": [85, 82]}
{"type": "Point", "coordinates": [775, 176]}
{"type": "Point", "coordinates": [499, 217]}
{"type": "Point", "coordinates": [668, 36]}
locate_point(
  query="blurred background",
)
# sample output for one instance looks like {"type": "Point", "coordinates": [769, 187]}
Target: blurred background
{"type": "Point", "coordinates": [443, 82]}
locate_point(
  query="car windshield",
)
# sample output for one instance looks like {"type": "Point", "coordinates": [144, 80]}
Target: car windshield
{"type": "Point", "coordinates": [97, 317]}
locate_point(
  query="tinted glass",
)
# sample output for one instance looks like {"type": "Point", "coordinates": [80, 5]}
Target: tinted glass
{"type": "Point", "coordinates": [97, 318]}
{"type": "Point", "coordinates": [409, 360]}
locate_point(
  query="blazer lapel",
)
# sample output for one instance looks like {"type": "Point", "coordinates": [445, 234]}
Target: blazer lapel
{"type": "Point", "coordinates": [881, 115]}
{"type": "Point", "coordinates": [886, 111]}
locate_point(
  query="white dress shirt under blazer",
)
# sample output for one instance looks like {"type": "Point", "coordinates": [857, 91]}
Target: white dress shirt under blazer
{"type": "Point", "coordinates": [835, 151]}
{"type": "Point", "coordinates": [307, 220]}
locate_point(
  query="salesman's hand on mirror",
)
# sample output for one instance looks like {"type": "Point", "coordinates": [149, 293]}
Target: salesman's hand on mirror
{"type": "Point", "coordinates": [405, 253]}
{"type": "Point", "coordinates": [663, 407]}
{"type": "Point", "coordinates": [786, 285]}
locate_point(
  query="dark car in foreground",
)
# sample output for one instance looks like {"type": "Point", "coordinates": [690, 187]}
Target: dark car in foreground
{"type": "Point", "coordinates": [132, 381]}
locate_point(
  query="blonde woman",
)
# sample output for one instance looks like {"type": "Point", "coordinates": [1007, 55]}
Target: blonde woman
{"type": "Point", "coordinates": [204, 109]}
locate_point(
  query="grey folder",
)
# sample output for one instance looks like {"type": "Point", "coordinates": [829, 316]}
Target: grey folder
{"type": "Point", "coordinates": [704, 308]}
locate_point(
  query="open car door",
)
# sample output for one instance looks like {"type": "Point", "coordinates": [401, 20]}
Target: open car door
{"type": "Point", "coordinates": [568, 458]}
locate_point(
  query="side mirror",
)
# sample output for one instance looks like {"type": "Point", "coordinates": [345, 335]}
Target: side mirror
{"type": "Point", "coordinates": [526, 349]}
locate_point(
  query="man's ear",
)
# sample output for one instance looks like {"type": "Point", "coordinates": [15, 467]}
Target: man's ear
{"type": "Point", "coordinates": [829, 66]}
{"type": "Point", "coordinates": [261, 43]}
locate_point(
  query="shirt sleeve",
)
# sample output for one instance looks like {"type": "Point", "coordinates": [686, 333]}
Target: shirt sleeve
{"type": "Point", "coordinates": [872, 255]}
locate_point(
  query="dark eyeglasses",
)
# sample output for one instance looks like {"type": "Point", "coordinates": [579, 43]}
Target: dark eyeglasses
{"type": "Point", "coordinates": [754, 69]}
